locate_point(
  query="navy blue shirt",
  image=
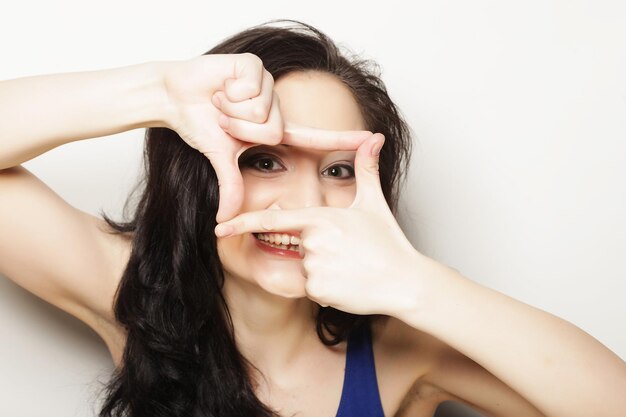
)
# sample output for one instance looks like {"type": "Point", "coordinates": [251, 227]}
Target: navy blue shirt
{"type": "Point", "coordinates": [360, 396]}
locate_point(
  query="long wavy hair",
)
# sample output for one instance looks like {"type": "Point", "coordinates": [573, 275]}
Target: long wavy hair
{"type": "Point", "coordinates": [180, 357]}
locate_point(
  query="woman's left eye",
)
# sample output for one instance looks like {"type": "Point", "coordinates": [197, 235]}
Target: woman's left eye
{"type": "Point", "coordinates": [336, 170]}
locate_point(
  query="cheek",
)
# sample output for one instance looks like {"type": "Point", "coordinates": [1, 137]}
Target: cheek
{"type": "Point", "coordinates": [258, 193]}
{"type": "Point", "coordinates": [227, 249]}
{"type": "Point", "coordinates": [261, 193]}
{"type": "Point", "coordinates": [340, 196]}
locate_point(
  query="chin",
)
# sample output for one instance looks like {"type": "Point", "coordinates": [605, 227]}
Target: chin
{"type": "Point", "coordinates": [274, 274]}
{"type": "Point", "coordinates": [282, 283]}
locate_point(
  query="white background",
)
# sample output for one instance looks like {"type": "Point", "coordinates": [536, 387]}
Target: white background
{"type": "Point", "coordinates": [518, 173]}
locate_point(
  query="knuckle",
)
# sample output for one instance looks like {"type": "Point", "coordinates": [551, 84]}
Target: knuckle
{"type": "Point", "coordinates": [252, 58]}
{"type": "Point", "coordinates": [250, 89]}
{"type": "Point", "coordinates": [306, 264]}
{"type": "Point", "coordinates": [315, 288]}
{"type": "Point", "coordinates": [260, 112]}
{"type": "Point", "coordinates": [274, 136]}
{"type": "Point", "coordinates": [312, 242]}
{"type": "Point", "coordinates": [268, 220]}
{"type": "Point", "coordinates": [306, 244]}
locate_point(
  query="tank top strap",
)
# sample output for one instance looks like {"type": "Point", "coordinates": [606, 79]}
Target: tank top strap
{"type": "Point", "coordinates": [360, 396]}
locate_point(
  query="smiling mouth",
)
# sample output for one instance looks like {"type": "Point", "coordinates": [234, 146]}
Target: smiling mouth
{"type": "Point", "coordinates": [279, 241]}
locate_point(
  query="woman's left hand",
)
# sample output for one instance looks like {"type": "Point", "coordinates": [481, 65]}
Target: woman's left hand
{"type": "Point", "coordinates": [355, 259]}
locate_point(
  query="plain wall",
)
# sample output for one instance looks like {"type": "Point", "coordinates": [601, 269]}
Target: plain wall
{"type": "Point", "coordinates": [517, 177]}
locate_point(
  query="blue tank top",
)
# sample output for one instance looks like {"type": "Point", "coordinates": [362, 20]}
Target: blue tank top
{"type": "Point", "coordinates": [360, 396]}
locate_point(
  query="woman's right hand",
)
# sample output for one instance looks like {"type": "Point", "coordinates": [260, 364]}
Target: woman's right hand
{"type": "Point", "coordinates": [193, 87]}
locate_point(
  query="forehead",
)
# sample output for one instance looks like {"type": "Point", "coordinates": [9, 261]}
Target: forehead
{"type": "Point", "coordinates": [318, 99]}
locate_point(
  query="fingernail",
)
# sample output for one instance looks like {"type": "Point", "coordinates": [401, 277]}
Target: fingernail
{"type": "Point", "coordinates": [223, 121]}
{"type": "Point", "coordinates": [224, 230]}
{"type": "Point", "coordinates": [376, 148]}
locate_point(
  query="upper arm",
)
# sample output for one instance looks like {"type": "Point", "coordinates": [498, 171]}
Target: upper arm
{"type": "Point", "coordinates": [54, 250]}
{"type": "Point", "coordinates": [464, 380]}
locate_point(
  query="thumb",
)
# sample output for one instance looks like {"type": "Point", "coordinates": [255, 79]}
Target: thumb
{"type": "Point", "coordinates": [366, 169]}
{"type": "Point", "coordinates": [230, 185]}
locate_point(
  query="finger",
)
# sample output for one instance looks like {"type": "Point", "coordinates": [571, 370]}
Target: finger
{"type": "Point", "coordinates": [255, 110]}
{"type": "Point", "coordinates": [269, 133]}
{"type": "Point", "coordinates": [366, 169]}
{"type": "Point", "coordinates": [230, 185]}
{"type": "Point", "coordinates": [295, 221]}
{"type": "Point", "coordinates": [313, 138]}
{"type": "Point", "coordinates": [248, 76]}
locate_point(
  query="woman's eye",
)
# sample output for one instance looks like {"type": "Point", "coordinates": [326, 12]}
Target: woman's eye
{"type": "Point", "coordinates": [265, 164]}
{"type": "Point", "coordinates": [336, 171]}
{"type": "Point", "coordinates": [269, 164]}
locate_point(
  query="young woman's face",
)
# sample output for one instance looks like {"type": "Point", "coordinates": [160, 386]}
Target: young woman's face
{"type": "Point", "coordinates": [286, 177]}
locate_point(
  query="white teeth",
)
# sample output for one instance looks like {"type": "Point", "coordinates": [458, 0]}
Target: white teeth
{"type": "Point", "coordinates": [282, 240]}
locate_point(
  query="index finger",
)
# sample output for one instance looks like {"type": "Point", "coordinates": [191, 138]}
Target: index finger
{"type": "Point", "coordinates": [275, 220]}
{"type": "Point", "coordinates": [313, 138]}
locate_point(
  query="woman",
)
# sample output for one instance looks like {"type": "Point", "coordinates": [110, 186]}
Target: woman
{"type": "Point", "coordinates": [309, 302]}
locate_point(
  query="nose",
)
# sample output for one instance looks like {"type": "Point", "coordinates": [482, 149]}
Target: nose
{"type": "Point", "coordinates": [302, 191]}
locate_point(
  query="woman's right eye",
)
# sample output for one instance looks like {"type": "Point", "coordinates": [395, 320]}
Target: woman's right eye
{"type": "Point", "coordinates": [264, 163]}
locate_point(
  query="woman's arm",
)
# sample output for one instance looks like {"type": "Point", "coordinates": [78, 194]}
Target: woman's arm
{"type": "Point", "coordinates": [558, 367]}
{"type": "Point", "coordinates": [42, 112]}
